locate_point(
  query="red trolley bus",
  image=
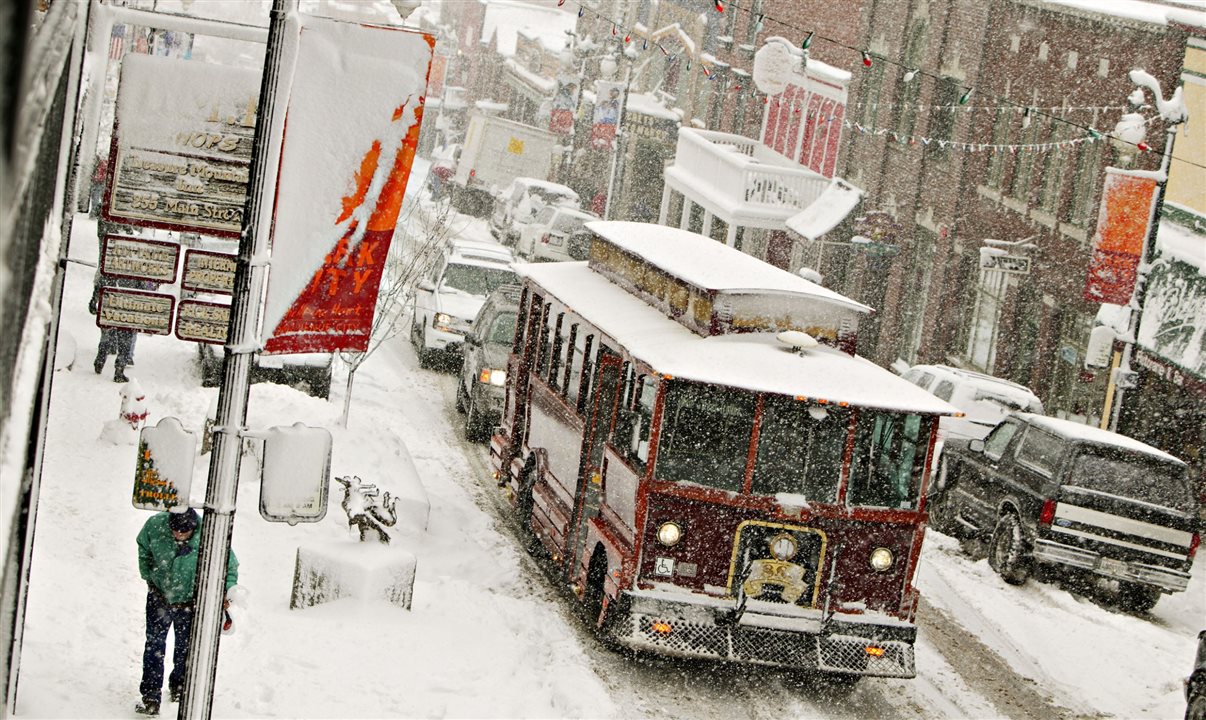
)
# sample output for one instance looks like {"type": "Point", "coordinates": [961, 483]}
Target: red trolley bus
{"type": "Point", "coordinates": [690, 436]}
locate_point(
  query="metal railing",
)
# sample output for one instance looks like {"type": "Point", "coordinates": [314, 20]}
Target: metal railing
{"type": "Point", "coordinates": [740, 166]}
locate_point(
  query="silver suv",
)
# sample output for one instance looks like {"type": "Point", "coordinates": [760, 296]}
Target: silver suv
{"type": "Point", "coordinates": [449, 295]}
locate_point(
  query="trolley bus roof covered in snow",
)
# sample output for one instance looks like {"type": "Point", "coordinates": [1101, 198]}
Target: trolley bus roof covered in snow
{"type": "Point", "coordinates": [751, 360]}
{"type": "Point", "coordinates": [712, 266]}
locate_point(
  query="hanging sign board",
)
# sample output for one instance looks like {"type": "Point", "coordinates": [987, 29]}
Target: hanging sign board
{"type": "Point", "coordinates": [163, 474]}
{"type": "Point", "coordinates": [1013, 264]}
{"type": "Point", "coordinates": [182, 142]}
{"type": "Point", "coordinates": [144, 312]}
{"type": "Point", "coordinates": [1123, 223]}
{"type": "Point", "coordinates": [296, 474]}
{"type": "Point", "coordinates": [206, 271]}
{"type": "Point", "coordinates": [201, 321]}
{"type": "Point", "coordinates": [140, 259]}
{"type": "Point", "coordinates": [358, 96]}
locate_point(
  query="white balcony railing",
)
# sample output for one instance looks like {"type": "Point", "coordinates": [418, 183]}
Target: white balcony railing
{"type": "Point", "coordinates": [741, 177]}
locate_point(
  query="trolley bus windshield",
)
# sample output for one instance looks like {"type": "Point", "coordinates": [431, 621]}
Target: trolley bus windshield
{"type": "Point", "coordinates": [800, 446]}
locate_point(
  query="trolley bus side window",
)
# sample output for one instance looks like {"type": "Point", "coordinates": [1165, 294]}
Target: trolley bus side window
{"type": "Point", "coordinates": [635, 421]}
{"type": "Point", "coordinates": [705, 435]}
{"type": "Point", "coordinates": [889, 452]}
{"type": "Point", "coordinates": [800, 448]}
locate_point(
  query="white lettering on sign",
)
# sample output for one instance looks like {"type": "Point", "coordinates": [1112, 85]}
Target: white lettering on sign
{"type": "Point", "coordinates": [1005, 263]}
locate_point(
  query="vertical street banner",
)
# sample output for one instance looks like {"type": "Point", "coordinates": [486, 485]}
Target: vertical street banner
{"type": "Point", "coordinates": [564, 105]}
{"type": "Point", "coordinates": [609, 103]}
{"type": "Point", "coordinates": [351, 130]}
{"type": "Point", "coordinates": [1127, 203]}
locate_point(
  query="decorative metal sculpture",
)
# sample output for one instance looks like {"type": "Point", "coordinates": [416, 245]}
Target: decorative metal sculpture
{"type": "Point", "coordinates": [364, 510]}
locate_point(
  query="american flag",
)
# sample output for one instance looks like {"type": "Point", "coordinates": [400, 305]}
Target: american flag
{"type": "Point", "coordinates": [117, 42]}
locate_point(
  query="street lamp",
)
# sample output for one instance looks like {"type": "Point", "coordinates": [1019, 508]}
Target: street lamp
{"type": "Point", "coordinates": [1174, 112]}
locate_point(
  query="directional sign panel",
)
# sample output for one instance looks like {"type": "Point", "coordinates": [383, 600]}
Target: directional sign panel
{"type": "Point", "coordinates": [144, 312]}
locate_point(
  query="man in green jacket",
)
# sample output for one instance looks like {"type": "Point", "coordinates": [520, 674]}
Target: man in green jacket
{"type": "Point", "coordinates": [167, 560]}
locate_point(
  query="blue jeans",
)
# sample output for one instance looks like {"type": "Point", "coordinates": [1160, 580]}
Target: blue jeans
{"type": "Point", "coordinates": [160, 617]}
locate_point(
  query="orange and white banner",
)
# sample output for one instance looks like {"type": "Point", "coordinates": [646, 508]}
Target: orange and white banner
{"type": "Point", "coordinates": [351, 130]}
{"type": "Point", "coordinates": [1128, 201]}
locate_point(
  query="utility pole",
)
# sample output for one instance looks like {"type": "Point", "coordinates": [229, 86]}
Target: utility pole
{"type": "Point", "coordinates": [222, 488]}
{"type": "Point", "coordinates": [1174, 112]}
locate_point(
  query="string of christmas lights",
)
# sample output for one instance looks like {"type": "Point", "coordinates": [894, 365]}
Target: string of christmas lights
{"type": "Point", "coordinates": [868, 59]}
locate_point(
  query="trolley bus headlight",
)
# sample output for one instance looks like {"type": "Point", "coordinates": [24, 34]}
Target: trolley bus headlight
{"type": "Point", "coordinates": [881, 559]}
{"type": "Point", "coordinates": [669, 533]}
{"type": "Point", "coordinates": [492, 377]}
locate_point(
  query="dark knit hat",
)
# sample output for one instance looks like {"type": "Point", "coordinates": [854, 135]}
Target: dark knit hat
{"type": "Point", "coordinates": [183, 521]}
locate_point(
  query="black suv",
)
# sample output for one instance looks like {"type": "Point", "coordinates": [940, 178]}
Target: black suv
{"type": "Point", "coordinates": [1057, 493]}
{"type": "Point", "coordinates": [481, 390]}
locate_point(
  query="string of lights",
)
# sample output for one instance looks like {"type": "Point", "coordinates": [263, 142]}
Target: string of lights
{"type": "Point", "coordinates": [1056, 114]}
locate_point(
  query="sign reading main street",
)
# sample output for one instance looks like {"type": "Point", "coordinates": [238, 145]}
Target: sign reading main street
{"type": "Point", "coordinates": [182, 145]}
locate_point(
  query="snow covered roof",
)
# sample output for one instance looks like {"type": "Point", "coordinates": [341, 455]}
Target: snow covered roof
{"type": "Point", "coordinates": [824, 214]}
{"type": "Point", "coordinates": [1128, 9]}
{"type": "Point", "coordinates": [1093, 434]}
{"type": "Point", "coordinates": [1181, 243]}
{"type": "Point", "coordinates": [754, 361]}
{"type": "Point", "coordinates": [504, 19]}
{"type": "Point", "coordinates": [712, 265]}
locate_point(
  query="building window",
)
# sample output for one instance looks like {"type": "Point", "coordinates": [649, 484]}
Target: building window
{"type": "Point", "coordinates": [1053, 175]}
{"type": "Point", "coordinates": [1024, 166]}
{"type": "Point", "coordinates": [1015, 43]}
{"type": "Point", "coordinates": [942, 115]}
{"type": "Point", "coordinates": [1000, 136]}
{"type": "Point", "coordinates": [1043, 50]}
{"type": "Point", "coordinates": [906, 98]}
{"type": "Point", "coordinates": [986, 319]}
{"type": "Point", "coordinates": [1073, 59]}
{"type": "Point", "coordinates": [1103, 67]}
{"type": "Point", "coordinates": [1084, 186]}
{"type": "Point", "coordinates": [921, 273]}
{"type": "Point", "coordinates": [751, 28]}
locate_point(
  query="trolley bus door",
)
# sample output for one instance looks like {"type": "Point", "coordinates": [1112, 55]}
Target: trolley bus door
{"type": "Point", "coordinates": [590, 478]}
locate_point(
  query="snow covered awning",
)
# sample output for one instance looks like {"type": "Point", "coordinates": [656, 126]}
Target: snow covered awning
{"type": "Point", "coordinates": [824, 214]}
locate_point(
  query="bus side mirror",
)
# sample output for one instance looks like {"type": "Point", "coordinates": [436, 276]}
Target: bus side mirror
{"type": "Point", "coordinates": [976, 446]}
{"type": "Point", "coordinates": [427, 286]}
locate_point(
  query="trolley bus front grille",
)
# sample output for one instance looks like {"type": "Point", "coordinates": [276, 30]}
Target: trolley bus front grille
{"type": "Point", "coordinates": [833, 653]}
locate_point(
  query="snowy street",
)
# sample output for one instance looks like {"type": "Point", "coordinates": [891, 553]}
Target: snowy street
{"type": "Point", "coordinates": [488, 634]}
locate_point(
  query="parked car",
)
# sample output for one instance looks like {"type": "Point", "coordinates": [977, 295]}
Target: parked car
{"type": "Point", "coordinates": [1049, 492]}
{"type": "Point", "coordinates": [548, 236]}
{"type": "Point", "coordinates": [520, 202]}
{"type": "Point", "coordinates": [308, 371]}
{"type": "Point", "coordinates": [1195, 684]}
{"type": "Point", "coordinates": [311, 371]}
{"type": "Point", "coordinates": [450, 294]}
{"type": "Point", "coordinates": [984, 400]}
{"type": "Point", "coordinates": [482, 387]}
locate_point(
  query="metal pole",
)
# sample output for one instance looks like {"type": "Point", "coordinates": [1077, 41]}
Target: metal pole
{"type": "Point", "coordinates": [611, 174]}
{"type": "Point", "coordinates": [222, 488]}
{"type": "Point", "coordinates": [1145, 260]}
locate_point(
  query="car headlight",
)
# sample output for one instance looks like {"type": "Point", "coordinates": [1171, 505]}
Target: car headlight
{"type": "Point", "coordinates": [669, 533]}
{"type": "Point", "coordinates": [492, 377]}
{"type": "Point", "coordinates": [881, 559]}
{"type": "Point", "coordinates": [443, 321]}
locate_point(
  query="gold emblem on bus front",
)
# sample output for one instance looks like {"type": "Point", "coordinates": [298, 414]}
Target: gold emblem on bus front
{"type": "Point", "coordinates": [785, 575]}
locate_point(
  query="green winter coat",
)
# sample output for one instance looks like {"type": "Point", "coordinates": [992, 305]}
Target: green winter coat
{"type": "Point", "coordinates": [171, 569]}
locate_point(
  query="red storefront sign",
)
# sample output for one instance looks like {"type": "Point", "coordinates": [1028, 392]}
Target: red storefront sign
{"type": "Point", "coordinates": [1124, 221]}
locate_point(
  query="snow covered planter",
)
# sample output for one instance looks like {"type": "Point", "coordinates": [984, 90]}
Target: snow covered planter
{"type": "Point", "coordinates": [349, 569]}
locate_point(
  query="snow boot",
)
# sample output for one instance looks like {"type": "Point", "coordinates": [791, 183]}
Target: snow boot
{"type": "Point", "coordinates": [147, 707]}
{"type": "Point", "coordinates": [174, 694]}
{"type": "Point", "coordinates": [120, 377]}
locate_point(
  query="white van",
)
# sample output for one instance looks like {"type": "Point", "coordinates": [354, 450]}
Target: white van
{"type": "Point", "coordinates": [984, 400]}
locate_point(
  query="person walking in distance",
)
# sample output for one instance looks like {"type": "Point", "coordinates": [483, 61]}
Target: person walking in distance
{"type": "Point", "coordinates": [167, 560]}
